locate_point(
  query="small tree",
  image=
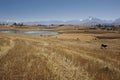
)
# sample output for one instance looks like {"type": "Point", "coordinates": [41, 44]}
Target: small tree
{"type": "Point", "coordinates": [14, 24]}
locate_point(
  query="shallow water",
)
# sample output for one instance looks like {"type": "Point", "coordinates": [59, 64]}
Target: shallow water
{"type": "Point", "coordinates": [35, 33]}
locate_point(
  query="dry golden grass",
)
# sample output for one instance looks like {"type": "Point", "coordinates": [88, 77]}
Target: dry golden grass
{"type": "Point", "coordinates": [74, 36]}
{"type": "Point", "coordinates": [60, 57]}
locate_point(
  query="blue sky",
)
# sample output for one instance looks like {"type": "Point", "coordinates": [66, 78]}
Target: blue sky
{"type": "Point", "coordinates": [42, 10]}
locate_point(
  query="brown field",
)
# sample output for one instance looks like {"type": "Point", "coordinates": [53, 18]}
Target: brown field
{"type": "Point", "coordinates": [75, 54]}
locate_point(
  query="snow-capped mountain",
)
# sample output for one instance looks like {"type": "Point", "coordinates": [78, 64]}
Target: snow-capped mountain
{"type": "Point", "coordinates": [89, 21]}
{"type": "Point", "coordinates": [92, 21]}
{"type": "Point", "coordinates": [116, 22]}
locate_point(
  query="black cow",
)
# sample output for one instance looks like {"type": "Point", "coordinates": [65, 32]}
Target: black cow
{"type": "Point", "coordinates": [103, 46]}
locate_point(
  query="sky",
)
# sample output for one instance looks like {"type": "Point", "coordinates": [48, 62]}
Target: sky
{"type": "Point", "coordinates": [44, 10]}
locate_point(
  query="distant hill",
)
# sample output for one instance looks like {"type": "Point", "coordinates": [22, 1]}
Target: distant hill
{"type": "Point", "coordinates": [116, 22]}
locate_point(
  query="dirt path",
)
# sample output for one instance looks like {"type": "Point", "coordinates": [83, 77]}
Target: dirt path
{"type": "Point", "coordinates": [5, 48]}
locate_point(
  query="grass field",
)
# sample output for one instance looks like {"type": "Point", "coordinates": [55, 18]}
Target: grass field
{"type": "Point", "coordinates": [67, 56]}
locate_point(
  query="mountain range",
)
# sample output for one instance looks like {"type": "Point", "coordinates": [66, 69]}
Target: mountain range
{"type": "Point", "coordinates": [88, 21]}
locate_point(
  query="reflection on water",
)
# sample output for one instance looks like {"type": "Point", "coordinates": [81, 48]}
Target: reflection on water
{"type": "Point", "coordinates": [35, 33]}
